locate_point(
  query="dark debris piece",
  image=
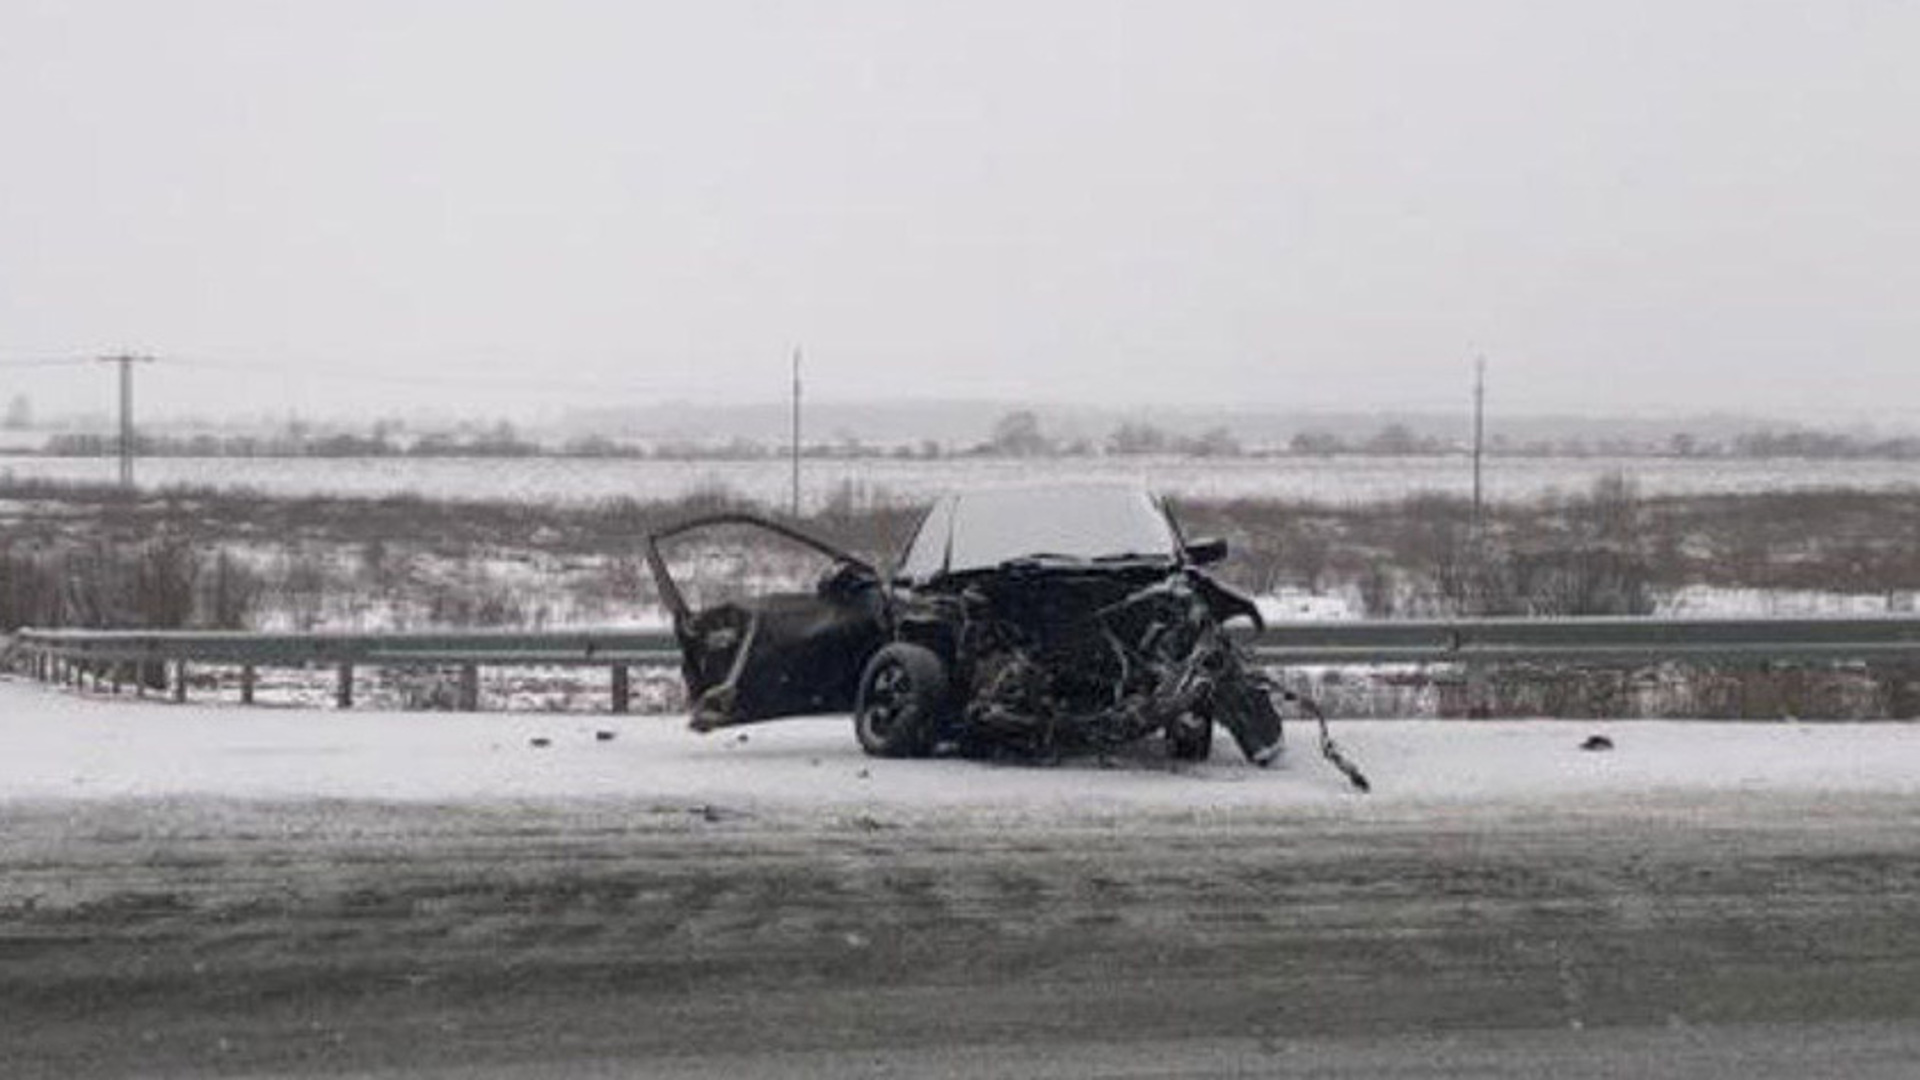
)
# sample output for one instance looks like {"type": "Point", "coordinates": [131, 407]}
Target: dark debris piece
{"type": "Point", "coordinates": [1597, 742]}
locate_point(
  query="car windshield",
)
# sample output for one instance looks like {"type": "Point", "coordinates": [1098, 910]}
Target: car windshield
{"type": "Point", "coordinates": [984, 529]}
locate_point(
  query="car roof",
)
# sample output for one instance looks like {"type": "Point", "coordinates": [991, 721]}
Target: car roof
{"type": "Point", "coordinates": [990, 492]}
{"type": "Point", "coordinates": [982, 527]}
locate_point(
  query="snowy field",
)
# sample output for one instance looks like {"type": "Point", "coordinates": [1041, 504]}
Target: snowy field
{"type": "Point", "coordinates": [62, 746]}
{"type": "Point", "coordinates": [1334, 479]}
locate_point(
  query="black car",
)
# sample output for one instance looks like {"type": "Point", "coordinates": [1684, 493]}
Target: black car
{"type": "Point", "coordinates": [1035, 620]}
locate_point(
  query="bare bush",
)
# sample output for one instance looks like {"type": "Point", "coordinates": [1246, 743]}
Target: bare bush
{"type": "Point", "coordinates": [332, 561]}
{"type": "Point", "coordinates": [301, 586]}
{"type": "Point", "coordinates": [162, 583]}
{"type": "Point", "coordinates": [228, 594]}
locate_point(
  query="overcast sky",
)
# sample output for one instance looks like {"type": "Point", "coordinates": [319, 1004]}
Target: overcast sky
{"type": "Point", "coordinates": [1675, 205]}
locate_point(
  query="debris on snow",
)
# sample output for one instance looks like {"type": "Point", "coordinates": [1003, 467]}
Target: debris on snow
{"type": "Point", "coordinates": [73, 748]}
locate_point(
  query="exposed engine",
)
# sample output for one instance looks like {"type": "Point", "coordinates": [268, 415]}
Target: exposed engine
{"type": "Point", "coordinates": [1057, 659]}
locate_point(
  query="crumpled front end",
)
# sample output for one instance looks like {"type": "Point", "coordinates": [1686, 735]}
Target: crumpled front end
{"type": "Point", "coordinates": [1070, 659]}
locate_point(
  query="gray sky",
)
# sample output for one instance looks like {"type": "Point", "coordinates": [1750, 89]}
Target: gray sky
{"type": "Point", "coordinates": [1628, 206]}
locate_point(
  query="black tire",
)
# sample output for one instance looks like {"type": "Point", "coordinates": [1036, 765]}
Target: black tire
{"type": "Point", "coordinates": [1190, 738]}
{"type": "Point", "coordinates": [902, 697]}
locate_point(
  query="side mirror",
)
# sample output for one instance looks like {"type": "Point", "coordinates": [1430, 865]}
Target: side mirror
{"type": "Point", "coordinates": [1207, 552]}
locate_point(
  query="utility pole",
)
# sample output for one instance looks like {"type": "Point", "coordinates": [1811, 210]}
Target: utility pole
{"type": "Point", "coordinates": [1479, 702]}
{"type": "Point", "coordinates": [796, 432]}
{"type": "Point", "coordinates": [1479, 432]}
{"type": "Point", "coordinates": [126, 362]}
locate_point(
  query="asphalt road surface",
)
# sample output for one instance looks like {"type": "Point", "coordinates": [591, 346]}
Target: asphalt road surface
{"type": "Point", "coordinates": [1715, 937]}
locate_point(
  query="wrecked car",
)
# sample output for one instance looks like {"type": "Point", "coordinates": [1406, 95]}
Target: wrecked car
{"type": "Point", "coordinates": [1034, 621]}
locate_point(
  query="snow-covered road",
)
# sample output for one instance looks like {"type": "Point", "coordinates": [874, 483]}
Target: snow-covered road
{"type": "Point", "coordinates": [221, 890]}
{"type": "Point", "coordinates": [58, 745]}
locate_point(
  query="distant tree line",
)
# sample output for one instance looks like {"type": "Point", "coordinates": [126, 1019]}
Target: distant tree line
{"type": "Point", "coordinates": [1016, 434]}
{"type": "Point", "coordinates": [1399, 440]}
{"type": "Point", "coordinates": [499, 440]}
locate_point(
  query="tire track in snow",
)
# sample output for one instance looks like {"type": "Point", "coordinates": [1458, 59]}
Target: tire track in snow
{"type": "Point", "coordinates": [234, 937]}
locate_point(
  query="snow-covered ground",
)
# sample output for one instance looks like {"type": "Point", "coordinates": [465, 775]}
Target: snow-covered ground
{"type": "Point", "coordinates": [1289, 604]}
{"type": "Point", "coordinates": [1330, 479]}
{"type": "Point", "coordinates": [61, 746]}
{"type": "Point", "coordinates": [1713, 602]}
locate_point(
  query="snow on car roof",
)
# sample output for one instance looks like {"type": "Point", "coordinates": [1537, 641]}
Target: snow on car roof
{"type": "Point", "coordinates": [990, 526]}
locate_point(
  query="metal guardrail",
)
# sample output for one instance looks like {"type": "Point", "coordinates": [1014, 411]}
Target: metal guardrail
{"type": "Point", "coordinates": [271, 649]}
{"type": "Point", "coordinates": [69, 655]}
{"type": "Point", "coordinates": [1621, 640]}
{"type": "Point", "coordinates": [119, 656]}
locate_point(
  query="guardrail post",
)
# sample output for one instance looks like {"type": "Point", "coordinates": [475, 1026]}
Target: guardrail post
{"type": "Point", "coordinates": [343, 695]}
{"type": "Point", "coordinates": [622, 688]}
{"type": "Point", "coordinates": [246, 684]}
{"type": "Point", "coordinates": [470, 687]}
{"type": "Point", "coordinates": [1479, 692]}
{"type": "Point", "coordinates": [119, 676]}
{"type": "Point", "coordinates": [179, 680]}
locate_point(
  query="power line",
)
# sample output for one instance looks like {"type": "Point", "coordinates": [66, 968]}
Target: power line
{"type": "Point", "coordinates": [125, 361]}
{"type": "Point", "coordinates": [46, 362]}
{"type": "Point", "coordinates": [341, 373]}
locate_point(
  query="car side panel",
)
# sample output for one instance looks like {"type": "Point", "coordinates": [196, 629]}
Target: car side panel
{"type": "Point", "coordinates": [786, 654]}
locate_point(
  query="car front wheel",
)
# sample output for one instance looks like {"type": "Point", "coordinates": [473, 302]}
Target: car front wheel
{"type": "Point", "coordinates": [902, 692]}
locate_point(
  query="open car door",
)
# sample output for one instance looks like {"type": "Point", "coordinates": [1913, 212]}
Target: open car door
{"type": "Point", "coordinates": [750, 657]}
